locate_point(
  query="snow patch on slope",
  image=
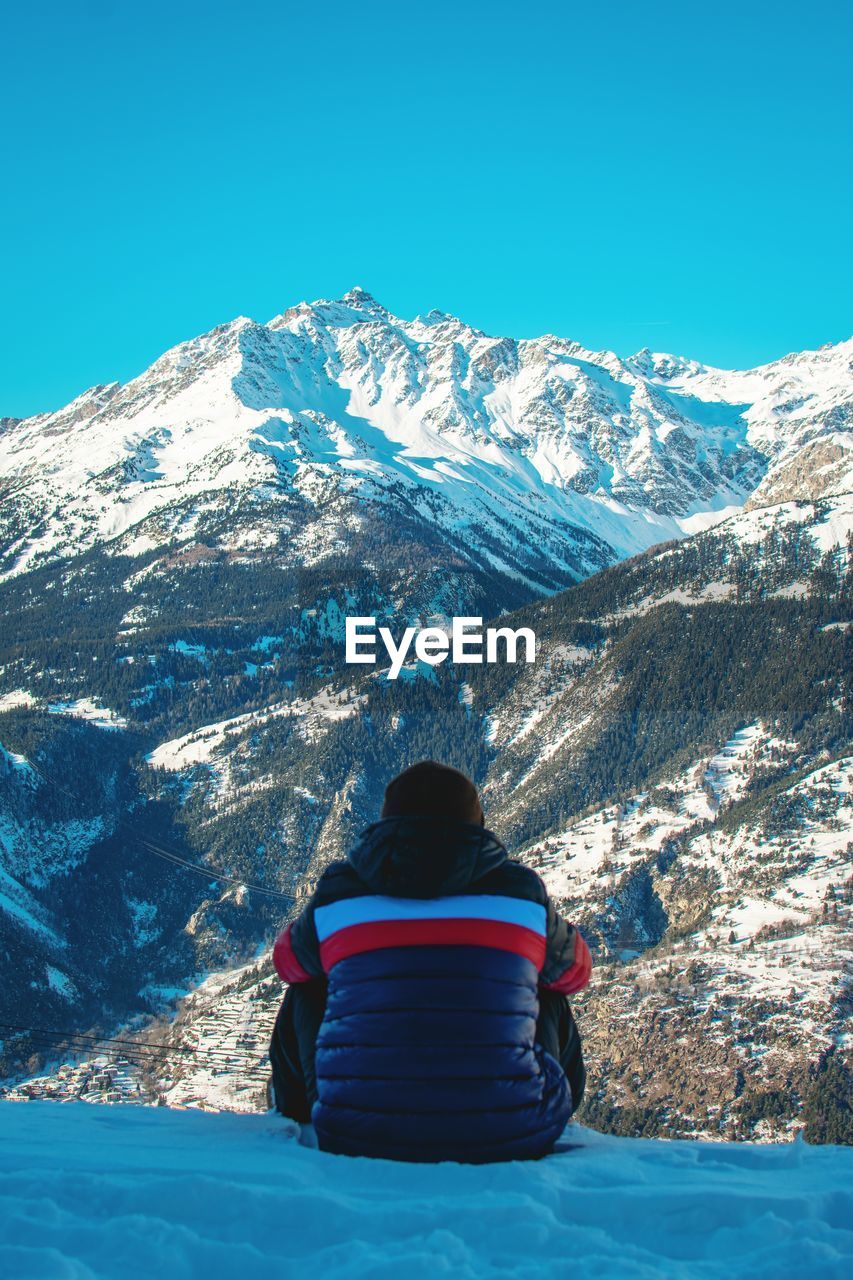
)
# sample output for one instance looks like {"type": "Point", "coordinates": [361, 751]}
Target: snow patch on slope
{"type": "Point", "coordinates": [204, 745]}
{"type": "Point", "coordinates": [86, 709]}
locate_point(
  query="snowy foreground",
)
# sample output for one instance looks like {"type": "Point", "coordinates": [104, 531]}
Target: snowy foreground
{"type": "Point", "coordinates": [132, 1192]}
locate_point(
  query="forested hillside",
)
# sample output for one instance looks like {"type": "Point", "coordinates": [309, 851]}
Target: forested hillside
{"type": "Point", "coordinates": [674, 764]}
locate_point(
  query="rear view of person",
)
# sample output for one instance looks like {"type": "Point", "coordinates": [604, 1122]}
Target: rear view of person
{"type": "Point", "coordinates": [427, 1016]}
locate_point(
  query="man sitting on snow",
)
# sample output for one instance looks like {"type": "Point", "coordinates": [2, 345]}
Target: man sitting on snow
{"type": "Point", "coordinates": [426, 1017]}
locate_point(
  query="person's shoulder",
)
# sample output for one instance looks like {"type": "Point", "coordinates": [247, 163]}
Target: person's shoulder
{"type": "Point", "coordinates": [516, 881]}
{"type": "Point", "coordinates": [338, 880]}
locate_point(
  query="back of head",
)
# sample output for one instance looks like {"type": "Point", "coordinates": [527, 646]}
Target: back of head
{"type": "Point", "coordinates": [432, 790]}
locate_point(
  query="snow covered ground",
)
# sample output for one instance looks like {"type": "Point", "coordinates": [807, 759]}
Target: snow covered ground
{"type": "Point", "coordinates": [81, 708]}
{"type": "Point", "coordinates": [611, 838]}
{"type": "Point", "coordinates": [97, 1193]}
{"type": "Point", "coordinates": [202, 745]}
{"type": "Point", "coordinates": [86, 709]}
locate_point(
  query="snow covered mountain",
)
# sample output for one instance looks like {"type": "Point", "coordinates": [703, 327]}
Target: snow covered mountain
{"type": "Point", "coordinates": [537, 459]}
{"type": "Point", "coordinates": [183, 748]}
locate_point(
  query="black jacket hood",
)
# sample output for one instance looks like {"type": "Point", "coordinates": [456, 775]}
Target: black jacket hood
{"type": "Point", "coordinates": [421, 857]}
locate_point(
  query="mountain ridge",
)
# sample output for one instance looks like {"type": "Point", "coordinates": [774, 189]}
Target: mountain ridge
{"type": "Point", "coordinates": [593, 457]}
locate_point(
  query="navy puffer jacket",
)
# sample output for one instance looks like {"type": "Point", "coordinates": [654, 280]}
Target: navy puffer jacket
{"type": "Point", "coordinates": [434, 944]}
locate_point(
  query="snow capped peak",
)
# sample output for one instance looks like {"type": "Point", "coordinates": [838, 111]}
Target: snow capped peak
{"type": "Point", "coordinates": [357, 306]}
{"type": "Point", "coordinates": [827, 350]}
{"type": "Point", "coordinates": [444, 320]}
{"type": "Point", "coordinates": [663, 366]}
{"type": "Point", "coordinates": [358, 297]}
{"type": "Point", "coordinates": [521, 437]}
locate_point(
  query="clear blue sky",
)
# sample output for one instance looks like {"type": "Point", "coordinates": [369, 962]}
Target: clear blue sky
{"type": "Point", "coordinates": [627, 174]}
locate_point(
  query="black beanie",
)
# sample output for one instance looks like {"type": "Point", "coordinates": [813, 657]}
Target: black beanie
{"type": "Point", "coordinates": [433, 790]}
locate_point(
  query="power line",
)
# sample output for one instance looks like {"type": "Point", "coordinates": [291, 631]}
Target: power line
{"type": "Point", "coordinates": [78, 1044]}
{"type": "Point", "coordinates": [168, 855]}
{"type": "Point", "coordinates": [171, 855]}
{"type": "Point", "coordinates": [146, 1050]}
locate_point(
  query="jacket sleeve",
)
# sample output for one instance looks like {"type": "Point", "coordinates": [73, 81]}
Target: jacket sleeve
{"type": "Point", "coordinates": [296, 953]}
{"type": "Point", "coordinates": [568, 963]}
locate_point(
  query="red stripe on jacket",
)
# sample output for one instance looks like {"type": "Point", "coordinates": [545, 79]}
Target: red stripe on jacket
{"type": "Point", "coordinates": [578, 973]}
{"type": "Point", "coordinates": [376, 935]}
{"type": "Point", "coordinates": [284, 959]}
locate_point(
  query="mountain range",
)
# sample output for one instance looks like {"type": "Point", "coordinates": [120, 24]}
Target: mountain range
{"type": "Point", "coordinates": [534, 461]}
{"type": "Point", "coordinates": [182, 742]}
